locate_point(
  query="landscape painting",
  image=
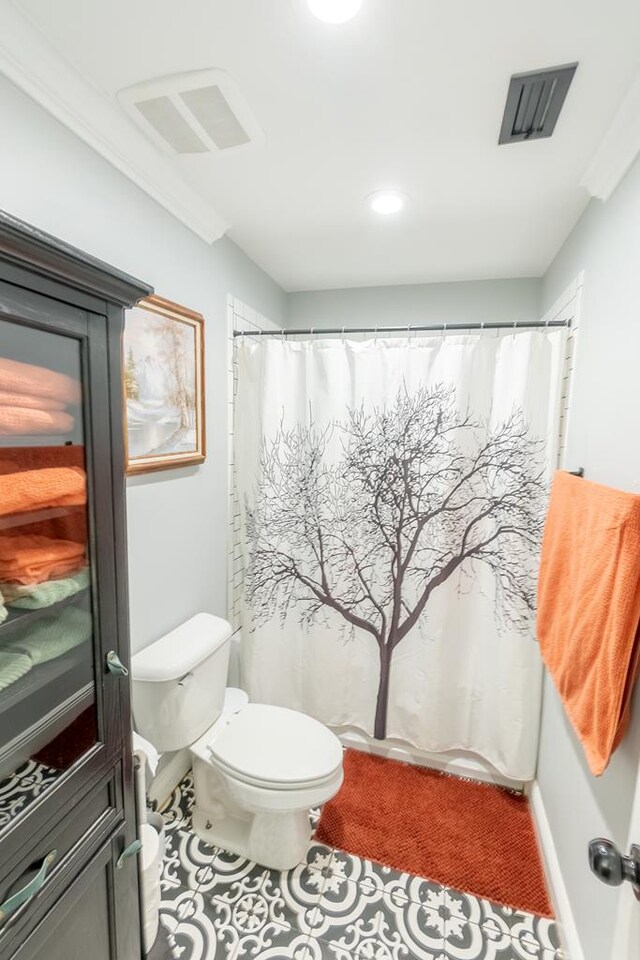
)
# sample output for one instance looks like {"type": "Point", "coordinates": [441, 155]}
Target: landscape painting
{"type": "Point", "coordinates": [164, 386]}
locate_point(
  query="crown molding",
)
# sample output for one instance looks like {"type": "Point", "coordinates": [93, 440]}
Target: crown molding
{"type": "Point", "coordinates": [618, 148]}
{"type": "Point", "coordinates": [31, 62]}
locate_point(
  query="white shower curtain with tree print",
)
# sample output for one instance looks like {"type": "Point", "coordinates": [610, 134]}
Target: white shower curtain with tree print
{"type": "Point", "coordinates": [393, 493]}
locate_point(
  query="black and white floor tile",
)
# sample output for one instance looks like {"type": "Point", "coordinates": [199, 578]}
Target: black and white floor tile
{"type": "Point", "coordinates": [333, 906]}
{"type": "Point", "coordinates": [23, 787]}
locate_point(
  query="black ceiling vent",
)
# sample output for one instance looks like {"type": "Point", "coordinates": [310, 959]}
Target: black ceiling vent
{"type": "Point", "coordinates": [534, 102]}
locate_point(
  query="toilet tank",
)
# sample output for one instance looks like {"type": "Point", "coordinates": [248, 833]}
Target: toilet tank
{"type": "Point", "coordinates": [178, 682]}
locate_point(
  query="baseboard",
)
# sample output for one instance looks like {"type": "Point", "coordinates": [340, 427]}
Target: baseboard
{"type": "Point", "coordinates": [171, 770]}
{"type": "Point", "coordinates": [459, 763]}
{"type": "Point", "coordinates": [555, 880]}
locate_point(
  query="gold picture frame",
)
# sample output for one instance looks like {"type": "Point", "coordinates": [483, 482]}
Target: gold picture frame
{"type": "Point", "coordinates": [163, 385]}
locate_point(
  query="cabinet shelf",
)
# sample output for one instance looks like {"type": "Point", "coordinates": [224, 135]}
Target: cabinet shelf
{"type": "Point", "coordinates": [20, 619]}
{"type": "Point", "coordinates": [42, 440]}
{"type": "Point", "coordinates": [37, 516]}
{"type": "Point", "coordinates": [56, 688]}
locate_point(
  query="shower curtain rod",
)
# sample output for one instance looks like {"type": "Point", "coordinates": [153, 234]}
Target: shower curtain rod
{"type": "Point", "coordinates": [410, 328]}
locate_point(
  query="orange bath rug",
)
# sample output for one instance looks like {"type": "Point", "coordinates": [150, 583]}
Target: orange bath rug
{"type": "Point", "coordinates": [470, 836]}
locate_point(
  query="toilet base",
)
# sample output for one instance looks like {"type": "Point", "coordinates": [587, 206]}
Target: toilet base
{"type": "Point", "coordinates": [266, 823]}
{"type": "Point", "coordinates": [273, 839]}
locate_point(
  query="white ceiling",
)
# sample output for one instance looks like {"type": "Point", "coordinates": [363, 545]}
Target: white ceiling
{"type": "Point", "coordinates": [409, 94]}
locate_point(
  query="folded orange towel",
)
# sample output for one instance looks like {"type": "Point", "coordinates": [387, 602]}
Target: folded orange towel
{"type": "Point", "coordinates": [26, 378]}
{"type": "Point", "coordinates": [8, 399]}
{"type": "Point", "coordinates": [24, 420]}
{"type": "Point", "coordinates": [34, 489]}
{"type": "Point", "coordinates": [72, 526]}
{"type": "Point", "coordinates": [589, 608]}
{"type": "Point", "coordinates": [34, 559]}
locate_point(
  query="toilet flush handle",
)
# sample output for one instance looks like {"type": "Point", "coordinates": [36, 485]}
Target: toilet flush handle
{"type": "Point", "coordinates": [183, 681]}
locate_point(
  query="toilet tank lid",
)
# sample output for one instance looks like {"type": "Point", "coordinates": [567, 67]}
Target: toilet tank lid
{"type": "Point", "coordinates": [177, 653]}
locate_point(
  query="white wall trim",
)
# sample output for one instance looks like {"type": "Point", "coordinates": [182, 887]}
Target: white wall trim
{"type": "Point", "coordinates": [564, 308]}
{"type": "Point", "coordinates": [240, 316]}
{"type": "Point", "coordinates": [555, 880]}
{"type": "Point", "coordinates": [31, 62]}
{"type": "Point", "coordinates": [567, 307]}
{"type": "Point", "coordinates": [618, 148]}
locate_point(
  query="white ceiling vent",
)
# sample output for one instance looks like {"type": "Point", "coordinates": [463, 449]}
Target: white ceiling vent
{"type": "Point", "coordinates": [201, 112]}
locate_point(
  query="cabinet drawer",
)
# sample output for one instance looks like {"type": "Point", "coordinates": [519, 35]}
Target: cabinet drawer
{"type": "Point", "coordinates": [74, 839]}
{"type": "Point", "coordinates": [81, 923]}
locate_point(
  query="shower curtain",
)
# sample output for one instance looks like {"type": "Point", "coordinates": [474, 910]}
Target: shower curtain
{"type": "Point", "coordinates": [393, 493]}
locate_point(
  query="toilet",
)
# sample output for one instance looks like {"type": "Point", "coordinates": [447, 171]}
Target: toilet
{"type": "Point", "coordinates": [258, 769]}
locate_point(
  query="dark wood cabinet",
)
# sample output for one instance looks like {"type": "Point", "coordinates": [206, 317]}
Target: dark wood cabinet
{"type": "Point", "coordinates": [67, 807]}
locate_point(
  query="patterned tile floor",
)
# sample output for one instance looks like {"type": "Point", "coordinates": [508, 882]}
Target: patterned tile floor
{"type": "Point", "coordinates": [23, 787]}
{"type": "Point", "coordinates": [333, 906]}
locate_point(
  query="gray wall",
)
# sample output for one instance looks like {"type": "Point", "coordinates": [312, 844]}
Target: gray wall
{"type": "Point", "coordinates": [176, 519]}
{"type": "Point", "coordinates": [420, 303]}
{"type": "Point", "coordinates": [604, 437]}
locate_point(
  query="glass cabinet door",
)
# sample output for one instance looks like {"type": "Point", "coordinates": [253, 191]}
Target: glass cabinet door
{"type": "Point", "coordinates": [48, 693]}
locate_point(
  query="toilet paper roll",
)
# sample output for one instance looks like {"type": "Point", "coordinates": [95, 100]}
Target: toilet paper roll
{"type": "Point", "coordinates": [146, 751]}
{"type": "Point", "coordinates": [150, 876]}
{"type": "Point", "coordinates": [150, 852]}
{"type": "Point", "coordinates": [156, 820]}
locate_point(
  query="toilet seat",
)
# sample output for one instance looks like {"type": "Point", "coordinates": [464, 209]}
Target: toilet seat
{"type": "Point", "coordinates": [274, 747]}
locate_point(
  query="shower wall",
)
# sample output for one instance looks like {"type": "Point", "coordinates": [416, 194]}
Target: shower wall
{"type": "Point", "coordinates": [421, 303]}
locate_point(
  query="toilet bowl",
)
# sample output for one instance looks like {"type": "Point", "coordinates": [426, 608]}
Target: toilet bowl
{"type": "Point", "coordinates": [257, 773]}
{"type": "Point", "coordinates": [258, 769]}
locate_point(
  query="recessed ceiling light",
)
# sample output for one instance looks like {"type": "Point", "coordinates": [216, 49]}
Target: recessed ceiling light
{"type": "Point", "coordinates": [334, 11]}
{"type": "Point", "coordinates": [386, 202]}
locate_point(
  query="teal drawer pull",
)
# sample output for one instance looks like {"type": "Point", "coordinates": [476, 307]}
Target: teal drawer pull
{"type": "Point", "coordinates": [29, 890]}
{"type": "Point", "coordinates": [115, 665]}
{"type": "Point", "coordinates": [128, 852]}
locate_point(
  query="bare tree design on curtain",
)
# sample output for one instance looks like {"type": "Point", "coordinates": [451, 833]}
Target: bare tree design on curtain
{"type": "Point", "coordinates": [418, 492]}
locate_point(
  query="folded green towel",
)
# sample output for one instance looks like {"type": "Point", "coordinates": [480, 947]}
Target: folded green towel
{"type": "Point", "coordinates": [38, 595]}
{"type": "Point", "coordinates": [52, 636]}
{"type": "Point", "coordinates": [13, 665]}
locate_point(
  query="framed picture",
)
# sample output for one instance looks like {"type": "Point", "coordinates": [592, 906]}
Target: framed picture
{"type": "Point", "coordinates": [163, 373]}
